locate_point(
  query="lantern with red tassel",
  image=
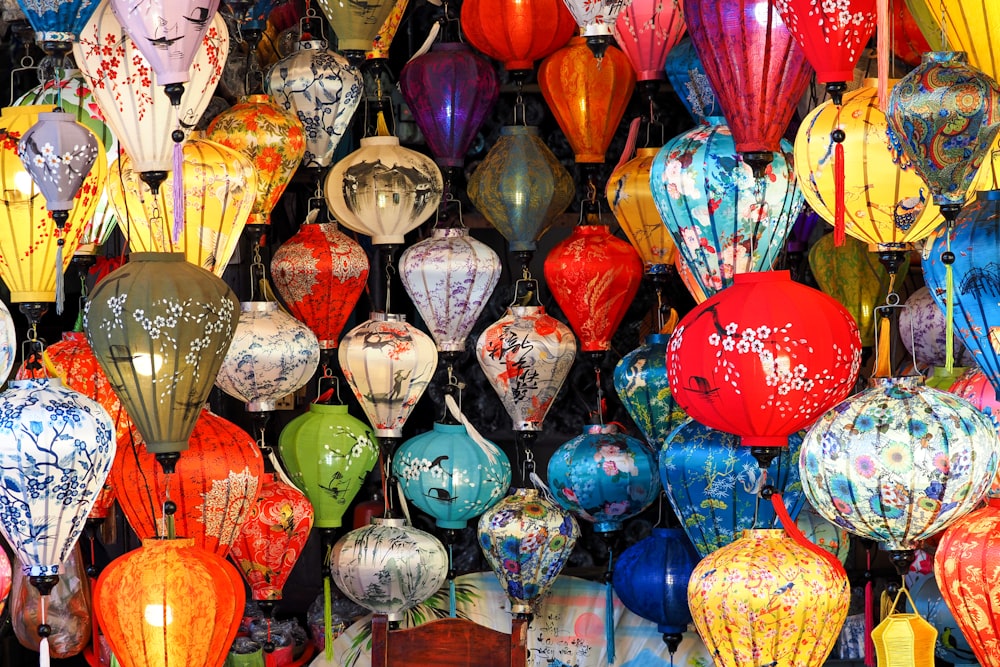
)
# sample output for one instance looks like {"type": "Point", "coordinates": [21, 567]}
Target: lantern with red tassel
{"type": "Point", "coordinates": [517, 32]}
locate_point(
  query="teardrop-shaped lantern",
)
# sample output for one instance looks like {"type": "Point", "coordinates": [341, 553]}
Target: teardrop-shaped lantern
{"type": "Point", "coordinates": [922, 328]}
{"type": "Point", "coordinates": [450, 277]}
{"type": "Point", "coordinates": [57, 23]}
{"type": "Point", "coordinates": [58, 153]}
{"type": "Point", "coordinates": [356, 25]}
{"type": "Point", "coordinates": [631, 199]}
{"type": "Point", "coordinates": [517, 32]}
{"type": "Point", "coordinates": [688, 78]}
{"type": "Point", "coordinates": [646, 31]}
{"type": "Point", "coordinates": [641, 382]}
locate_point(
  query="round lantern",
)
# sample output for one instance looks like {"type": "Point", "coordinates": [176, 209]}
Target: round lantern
{"type": "Point", "coordinates": [631, 200]}
{"type": "Point", "coordinates": [521, 187]}
{"type": "Point", "coordinates": [899, 462]}
{"type": "Point", "coordinates": [160, 327]}
{"type": "Point", "coordinates": [922, 328]}
{"type": "Point", "coordinates": [388, 566]}
{"type": "Point", "coordinates": [328, 454]}
{"type": "Point", "coordinates": [388, 363]}
{"type": "Point", "coordinates": [587, 95]}
{"type": "Point", "coordinates": [214, 486]}
{"type": "Point", "coordinates": [712, 484]}
{"type": "Point", "coordinates": [526, 540]}
{"type": "Point", "coordinates": [604, 476]}
{"type": "Point", "coordinates": [450, 476]}
{"type": "Point", "coordinates": [763, 358]}
{"type": "Point", "coordinates": [526, 356]}
{"type": "Point", "coordinates": [251, 17]}
{"type": "Point", "coordinates": [960, 26]}
{"type": "Point", "coordinates": [641, 382]}
{"type": "Point", "coordinates": [687, 76]}
{"type": "Point", "coordinates": [169, 603]}
{"type": "Point", "coordinates": [450, 277]}
{"type": "Point", "coordinates": [593, 276]}
{"type": "Point", "coordinates": [723, 220]}
{"type": "Point", "coordinates": [646, 30]}
{"type": "Point", "coordinates": [356, 25]}
{"type": "Point", "coordinates": [57, 23]}
{"type": "Point", "coordinates": [384, 190]}
{"type": "Point", "coordinates": [766, 599]}
{"type": "Point", "coordinates": [517, 32]}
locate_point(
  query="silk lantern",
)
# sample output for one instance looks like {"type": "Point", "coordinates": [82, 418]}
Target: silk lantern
{"type": "Point", "coordinates": [356, 25]}
{"type": "Point", "coordinates": [6, 579]}
{"type": "Point", "coordinates": [517, 32]}
{"type": "Point", "coordinates": [759, 82]}
{"type": "Point", "coordinates": [449, 277]}
{"type": "Point", "coordinates": [763, 358]}
{"type": "Point", "coordinates": [631, 200]}
{"type": "Point", "coordinates": [951, 643]}
{"type": "Point", "coordinates": [908, 41]}
{"type": "Point", "coordinates": [962, 26]}
{"type": "Point", "coordinates": [724, 221]}
{"type": "Point", "coordinates": [640, 379]}
{"type": "Point", "coordinates": [587, 95]}
{"type": "Point", "coordinates": [923, 329]}
{"type": "Point", "coordinates": [687, 76]}
{"type": "Point", "coordinates": [975, 387]}
{"type": "Point", "coordinates": [833, 539]}
{"type": "Point", "coordinates": [251, 18]}
{"type": "Point", "coordinates": [57, 23]}
{"type": "Point", "coordinates": [596, 20]}
{"type": "Point", "coordinates": [646, 31]}
{"type": "Point", "coordinates": [320, 273]}
{"type": "Point", "coordinates": [169, 602]}
{"type": "Point", "coordinates": [214, 486]}
{"type": "Point", "coordinates": [527, 540]}
{"type": "Point", "coordinates": [388, 566]}
{"type": "Point", "coordinates": [794, 612]}
{"type": "Point", "coordinates": [383, 40]}
{"type": "Point", "coordinates": [160, 327]}
{"type": "Point", "coordinates": [8, 343]}
{"type": "Point", "coordinates": [58, 153]}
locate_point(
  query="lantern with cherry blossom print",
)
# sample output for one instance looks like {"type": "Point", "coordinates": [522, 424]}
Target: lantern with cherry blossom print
{"type": "Point", "coordinates": [646, 30]}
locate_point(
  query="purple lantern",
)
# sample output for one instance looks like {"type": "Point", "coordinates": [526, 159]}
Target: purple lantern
{"type": "Point", "coordinates": [449, 90]}
{"type": "Point", "coordinates": [58, 153]}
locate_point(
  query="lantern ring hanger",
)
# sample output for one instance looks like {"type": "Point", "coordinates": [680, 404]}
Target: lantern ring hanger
{"type": "Point", "coordinates": [447, 201]}
{"type": "Point", "coordinates": [27, 64]}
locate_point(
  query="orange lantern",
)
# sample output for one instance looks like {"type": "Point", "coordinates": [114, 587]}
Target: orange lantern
{"type": "Point", "coordinates": [517, 32]}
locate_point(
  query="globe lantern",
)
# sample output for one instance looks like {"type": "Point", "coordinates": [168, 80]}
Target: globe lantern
{"type": "Point", "coordinates": [640, 379]}
{"type": "Point", "coordinates": [57, 23]}
{"type": "Point", "coordinates": [922, 328]}
{"type": "Point", "coordinates": [356, 26]}
{"type": "Point", "coordinates": [631, 200]}
{"type": "Point", "coordinates": [688, 79]}
{"type": "Point", "coordinates": [517, 32]}
{"type": "Point", "coordinates": [646, 31]}
{"type": "Point", "coordinates": [596, 20]}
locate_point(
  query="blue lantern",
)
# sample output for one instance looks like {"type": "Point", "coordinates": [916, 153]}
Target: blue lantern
{"type": "Point", "coordinates": [687, 76]}
{"type": "Point", "coordinates": [450, 476]}
{"type": "Point", "coordinates": [604, 476]}
{"type": "Point", "coordinates": [712, 482]}
{"type": "Point", "coordinates": [641, 383]}
{"type": "Point", "coordinates": [57, 23]}
{"type": "Point", "coordinates": [253, 22]}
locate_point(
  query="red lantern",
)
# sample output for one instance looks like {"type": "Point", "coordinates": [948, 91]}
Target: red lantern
{"type": "Point", "coordinates": [587, 95]}
{"type": "Point", "coordinates": [763, 358]}
{"type": "Point", "coordinates": [593, 276]}
{"type": "Point", "coordinates": [908, 42]}
{"type": "Point", "coordinates": [646, 30]}
{"type": "Point", "coordinates": [517, 32]}
{"type": "Point", "coordinates": [214, 486]}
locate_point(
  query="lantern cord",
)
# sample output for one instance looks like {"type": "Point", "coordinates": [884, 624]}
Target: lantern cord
{"type": "Point", "coordinates": [451, 584]}
{"type": "Point", "coordinates": [609, 608]}
{"type": "Point", "coordinates": [882, 52]}
{"type": "Point", "coordinates": [60, 278]}
{"type": "Point", "coordinates": [390, 270]}
{"type": "Point", "coordinates": [793, 531]}
{"type": "Point", "coordinates": [839, 182]}
{"type": "Point", "coordinates": [630, 141]}
{"type": "Point", "coordinates": [43, 644]}
{"type": "Point", "coordinates": [327, 618]}
{"type": "Point", "coordinates": [179, 203]}
{"type": "Point", "coordinates": [489, 449]}
{"type": "Point", "coordinates": [869, 611]}
{"type": "Point", "coordinates": [600, 395]}
{"type": "Point", "coordinates": [949, 284]}
{"type": "Point", "coordinates": [403, 505]}
{"type": "Point", "coordinates": [27, 64]}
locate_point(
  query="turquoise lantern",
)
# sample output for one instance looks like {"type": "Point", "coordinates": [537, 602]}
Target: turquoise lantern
{"type": "Point", "coordinates": [450, 475]}
{"type": "Point", "coordinates": [604, 477]}
{"type": "Point", "coordinates": [641, 382]}
{"type": "Point", "coordinates": [687, 76]}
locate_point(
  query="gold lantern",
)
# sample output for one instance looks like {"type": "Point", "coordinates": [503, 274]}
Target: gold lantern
{"type": "Point", "coordinates": [631, 200]}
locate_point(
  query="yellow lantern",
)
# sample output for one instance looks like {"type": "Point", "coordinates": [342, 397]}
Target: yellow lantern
{"type": "Point", "coordinates": [383, 40]}
{"type": "Point", "coordinates": [631, 200]}
{"type": "Point", "coordinates": [967, 25]}
{"type": "Point", "coordinates": [220, 188]}
{"type": "Point", "coordinates": [356, 23]}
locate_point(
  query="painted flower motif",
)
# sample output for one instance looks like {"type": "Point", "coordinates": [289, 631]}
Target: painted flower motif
{"type": "Point", "coordinates": [865, 466]}
{"type": "Point", "coordinates": [897, 457]}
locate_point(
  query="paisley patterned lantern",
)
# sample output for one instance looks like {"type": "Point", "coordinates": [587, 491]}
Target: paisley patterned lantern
{"type": "Point", "coordinates": [57, 23]}
{"type": "Point", "coordinates": [526, 540]}
{"type": "Point", "coordinates": [724, 221]}
{"type": "Point", "coordinates": [922, 328]}
{"type": "Point", "coordinates": [383, 40]}
{"type": "Point", "coordinates": [646, 30]}
{"type": "Point", "coordinates": [765, 599]}
{"type": "Point", "coordinates": [631, 200]}
{"type": "Point", "coordinates": [388, 566]}
{"type": "Point", "coordinates": [687, 76]}
{"type": "Point", "coordinates": [356, 25]}
{"type": "Point", "coordinates": [641, 382]}
{"type": "Point", "coordinates": [517, 32]}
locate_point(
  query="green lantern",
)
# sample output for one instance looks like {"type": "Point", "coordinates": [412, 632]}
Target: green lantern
{"type": "Point", "coordinates": [328, 454]}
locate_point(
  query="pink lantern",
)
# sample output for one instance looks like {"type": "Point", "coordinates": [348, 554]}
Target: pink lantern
{"type": "Point", "coordinates": [646, 31]}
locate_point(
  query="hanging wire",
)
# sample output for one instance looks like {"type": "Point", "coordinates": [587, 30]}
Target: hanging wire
{"type": "Point", "coordinates": [519, 104]}
{"type": "Point", "coordinates": [257, 272]}
{"type": "Point", "coordinates": [27, 65]}
{"type": "Point", "coordinates": [390, 271]}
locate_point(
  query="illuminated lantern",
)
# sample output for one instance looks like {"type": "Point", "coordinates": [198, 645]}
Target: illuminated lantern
{"type": "Point", "coordinates": [631, 200]}
{"type": "Point", "coordinates": [160, 327]}
{"type": "Point", "coordinates": [763, 359]}
{"type": "Point", "coordinates": [712, 484]}
{"type": "Point", "coordinates": [388, 566]}
{"type": "Point", "coordinates": [687, 76]}
{"type": "Point", "coordinates": [169, 602]}
{"type": "Point", "coordinates": [596, 20]}
{"type": "Point", "coordinates": [272, 538]}
{"type": "Point", "coordinates": [646, 30]}
{"type": "Point", "coordinates": [463, 479]}
{"type": "Point", "coordinates": [356, 25]}
{"type": "Point", "coordinates": [593, 276]}
{"type": "Point", "coordinates": [724, 221]}
{"type": "Point", "coordinates": [328, 454]}
{"type": "Point", "coordinates": [214, 485]}
{"type": "Point", "coordinates": [974, 387]}
{"type": "Point", "coordinates": [587, 95]}
{"type": "Point", "coordinates": [922, 329]}
{"type": "Point", "coordinates": [320, 273]}
{"type": "Point", "coordinates": [57, 23]}
{"type": "Point", "coordinates": [641, 382]}
{"type": "Point", "coordinates": [388, 363]}
{"type": "Point", "coordinates": [220, 187]}
{"type": "Point", "coordinates": [517, 32]}
{"type": "Point", "coordinates": [527, 540]}
{"type": "Point", "coordinates": [959, 26]}
{"type": "Point", "coordinates": [794, 614]}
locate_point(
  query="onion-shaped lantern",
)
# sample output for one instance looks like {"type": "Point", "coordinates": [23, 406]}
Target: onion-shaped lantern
{"type": "Point", "coordinates": [450, 277]}
{"type": "Point", "coordinates": [631, 200]}
{"type": "Point", "coordinates": [160, 327]}
{"type": "Point", "coordinates": [640, 379]}
{"type": "Point", "coordinates": [604, 476]}
{"type": "Point", "coordinates": [517, 32]}
{"type": "Point", "coordinates": [646, 31]}
{"type": "Point", "coordinates": [922, 328]}
{"type": "Point", "coordinates": [526, 540]}
{"type": "Point", "coordinates": [356, 25]}
{"type": "Point", "coordinates": [388, 566]}
{"type": "Point", "coordinates": [687, 76]}
{"type": "Point", "coordinates": [451, 476]}
{"type": "Point", "coordinates": [57, 23]}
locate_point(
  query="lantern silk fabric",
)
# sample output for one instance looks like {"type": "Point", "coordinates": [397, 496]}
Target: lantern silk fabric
{"type": "Point", "coordinates": [517, 32]}
{"type": "Point", "coordinates": [640, 378]}
{"type": "Point", "coordinates": [646, 30]}
{"type": "Point", "coordinates": [631, 200]}
{"type": "Point", "coordinates": [965, 25]}
{"type": "Point", "coordinates": [831, 35]}
{"type": "Point", "coordinates": [56, 20]}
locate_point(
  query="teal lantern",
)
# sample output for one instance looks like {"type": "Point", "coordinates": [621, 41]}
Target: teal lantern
{"type": "Point", "coordinates": [451, 476]}
{"type": "Point", "coordinates": [604, 476]}
{"type": "Point", "coordinates": [641, 382]}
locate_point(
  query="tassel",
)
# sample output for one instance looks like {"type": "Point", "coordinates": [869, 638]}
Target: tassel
{"type": "Point", "coordinates": [60, 278]}
{"type": "Point", "coordinates": [882, 52]}
{"type": "Point", "coordinates": [428, 42]}
{"type": "Point", "coordinates": [949, 314]}
{"type": "Point", "coordinates": [43, 645]}
{"type": "Point", "coordinates": [630, 141]}
{"type": "Point", "coordinates": [885, 606]}
{"type": "Point", "coordinates": [609, 612]}
{"type": "Point", "coordinates": [869, 616]}
{"type": "Point", "coordinates": [327, 620]}
{"type": "Point", "coordinates": [793, 532]}
{"type": "Point", "coordinates": [839, 210]}
{"type": "Point", "coordinates": [491, 451]}
{"type": "Point", "coordinates": [279, 471]}
{"type": "Point", "coordinates": [452, 612]}
{"type": "Point", "coordinates": [178, 192]}
{"type": "Point", "coordinates": [381, 128]}
{"type": "Point", "coordinates": [883, 364]}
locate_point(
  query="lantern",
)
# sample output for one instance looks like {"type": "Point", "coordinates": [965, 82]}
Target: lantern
{"type": "Point", "coordinates": [6, 578]}
{"type": "Point", "coordinates": [960, 26]}
{"type": "Point", "coordinates": [270, 356]}
{"type": "Point", "coordinates": [383, 40]}
{"type": "Point", "coordinates": [712, 484]}
{"type": "Point", "coordinates": [219, 190]}
{"type": "Point", "coordinates": [974, 387]}
{"type": "Point", "coordinates": [631, 200]}
{"type": "Point", "coordinates": [450, 277]}
{"type": "Point", "coordinates": [272, 538]}
{"type": "Point", "coordinates": [766, 599]}
{"type": "Point", "coordinates": [388, 363]}
{"type": "Point", "coordinates": [587, 95]}
{"type": "Point", "coordinates": [527, 540]}
{"type": "Point", "coordinates": [449, 90]}
{"type": "Point", "coordinates": [908, 42]}
{"type": "Point", "coordinates": [517, 32]}
{"type": "Point", "coordinates": [758, 82]}
{"type": "Point", "coordinates": [323, 90]}
{"type": "Point", "coordinates": [388, 567]}
{"type": "Point", "coordinates": [169, 603]}
{"type": "Point", "coordinates": [596, 20]}
{"type": "Point", "coordinates": [604, 476]}
{"type": "Point", "coordinates": [951, 643]}
{"type": "Point", "coordinates": [450, 476]}
{"type": "Point", "coordinates": [922, 329]}
{"type": "Point", "coordinates": [251, 18]}
{"type": "Point", "coordinates": [824, 534]}
{"type": "Point", "coordinates": [328, 454]}
{"type": "Point", "coordinates": [688, 79]}
{"type": "Point", "coordinates": [641, 382]}
{"type": "Point", "coordinates": [593, 276]}
{"type": "Point", "coordinates": [320, 273]}
{"type": "Point", "coordinates": [646, 31]}
{"type": "Point", "coordinates": [214, 485]}
{"type": "Point", "coordinates": [160, 327]}
{"type": "Point", "coordinates": [58, 153]}
{"type": "Point", "coordinates": [57, 23]}
{"type": "Point", "coordinates": [724, 221]}
{"type": "Point", "coordinates": [356, 25]}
